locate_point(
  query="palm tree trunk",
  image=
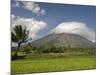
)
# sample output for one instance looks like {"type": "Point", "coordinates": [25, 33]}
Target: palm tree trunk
{"type": "Point", "coordinates": [16, 53]}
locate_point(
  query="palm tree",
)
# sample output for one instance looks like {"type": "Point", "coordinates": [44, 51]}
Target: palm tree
{"type": "Point", "coordinates": [19, 35]}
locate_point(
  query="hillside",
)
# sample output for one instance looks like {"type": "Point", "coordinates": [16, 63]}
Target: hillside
{"type": "Point", "coordinates": [64, 39]}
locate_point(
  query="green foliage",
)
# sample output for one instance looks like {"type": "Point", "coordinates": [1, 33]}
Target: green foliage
{"type": "Point", "coordinates": [88, 51]}
{"type": "Point", "coordinates": [62, 49]}
{"type": "Point", "coordinates": [27, 49]}
{"type": "Point", "coordinates": [52, 49]}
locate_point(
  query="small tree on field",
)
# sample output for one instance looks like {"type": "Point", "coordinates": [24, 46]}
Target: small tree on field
{"type": "Point", "coordinates": [19, 35]}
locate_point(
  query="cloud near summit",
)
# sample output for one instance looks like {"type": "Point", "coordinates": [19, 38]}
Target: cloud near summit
{"type": "Point", "coordinates": [35, 26]}
{"type": "Point", "coordinates": [75, 28]}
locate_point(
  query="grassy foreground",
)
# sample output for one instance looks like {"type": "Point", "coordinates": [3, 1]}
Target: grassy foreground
{"type": "Point", "coordinates": [51, 64]}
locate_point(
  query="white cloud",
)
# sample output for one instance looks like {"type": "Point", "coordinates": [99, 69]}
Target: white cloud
{"type": "Point", "coordinates": [43, 11]}
{"type": "Point", "coordinates": [12, 16]}
{"type": "Point", "coordinates": [30, 6]}
{"type": "Point", "coordinates": [33, 7]}
{"type": "Point", "coordinates": [33, 25]}
{"type": "Point", "coordinates": [75, 28]}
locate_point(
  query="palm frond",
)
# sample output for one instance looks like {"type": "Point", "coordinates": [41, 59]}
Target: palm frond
{"type": "Point", "coordinates": [20, 34]}
{"type": "Point", "coordinates": [13, 37]}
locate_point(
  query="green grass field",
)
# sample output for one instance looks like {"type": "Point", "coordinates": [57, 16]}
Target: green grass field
{"type": "Point", "coordinates": [48, 63]}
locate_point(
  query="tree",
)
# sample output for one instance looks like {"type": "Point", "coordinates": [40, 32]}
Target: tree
{"type": "Point", "coordinates": [19, 35]}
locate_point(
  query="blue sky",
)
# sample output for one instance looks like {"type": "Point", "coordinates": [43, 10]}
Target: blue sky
{"type": "Point", "coordinates": [56, 14]}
